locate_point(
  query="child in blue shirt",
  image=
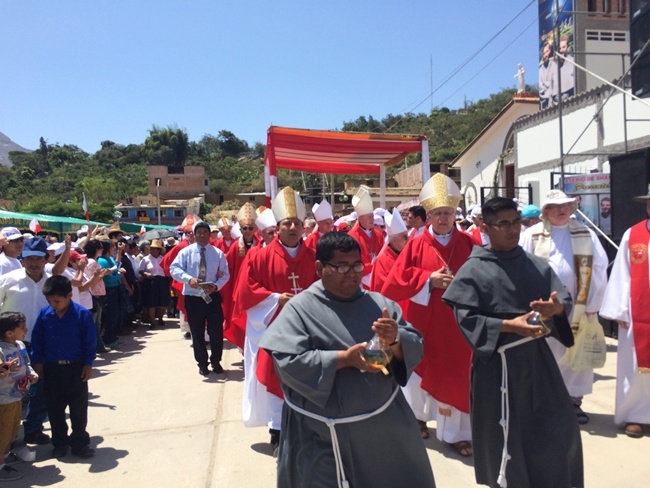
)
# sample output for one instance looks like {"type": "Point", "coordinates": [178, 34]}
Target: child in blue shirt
{"type": "Point", "coordinates": [64, 342]}
{"type": "Point", "coordinates": [16, 374]}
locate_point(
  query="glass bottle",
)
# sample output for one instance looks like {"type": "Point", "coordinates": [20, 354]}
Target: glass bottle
{"type": "Point", "coordinates": [377, 352]}
{"type": "Point", "coordinates": [536, 319]}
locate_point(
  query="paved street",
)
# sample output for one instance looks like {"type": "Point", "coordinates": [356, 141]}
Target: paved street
{"type": "Point", "coordinates": [155, 422]}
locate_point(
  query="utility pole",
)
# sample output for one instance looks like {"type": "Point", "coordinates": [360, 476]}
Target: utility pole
{"type": "Point", "coordinates": [158, 180]}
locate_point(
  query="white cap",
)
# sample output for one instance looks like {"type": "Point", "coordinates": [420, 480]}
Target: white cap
{"type": "Point", "coordinates": [224, 222]}
{"type": "Point", "coordinates": [362, 201]}
{"type": "Point", "coordinates": [11, 233]}
{"type": "Point", "coordinates": [57, 247]}
{"type": "Point", "coordinates": [394, 223]}
{"type": "Point", "coordinates": [288, 205]}
{"type": "Point", "coordinates": [322, 211]}
{"type": "Point", "coordinates": [82, 230]}
{"type": "Point", "coordinates": [379, 211]}
{"type": "Point", "coordinates": [558, 197]}
{"type": "Point", "coordinates": [379, 220]}
{"type": "Point", "coordinates": [266, 220]}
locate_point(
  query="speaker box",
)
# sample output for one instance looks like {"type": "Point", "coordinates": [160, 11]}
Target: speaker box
{"type": "Point", "coordinates": [630, 175]}
{"type": "Point", "coordinates": [639, 34]}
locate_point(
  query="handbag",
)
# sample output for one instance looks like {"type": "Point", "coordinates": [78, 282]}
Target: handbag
{"type": "Point", "coordinates": [590, 348]}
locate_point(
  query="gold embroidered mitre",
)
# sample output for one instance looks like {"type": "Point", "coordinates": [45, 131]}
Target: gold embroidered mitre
{"type": "Point", "coordinates": [440, 191]}
{"type": "Point", "coordinates": [288, 205]}
{"type": "Point", "coordinates": [246, 214]}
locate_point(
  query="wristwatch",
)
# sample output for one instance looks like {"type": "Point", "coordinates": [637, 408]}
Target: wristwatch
{"type": "Point", "coordinates": [396, 339]}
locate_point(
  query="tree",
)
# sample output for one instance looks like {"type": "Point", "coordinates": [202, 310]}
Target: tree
{"type": "Point", "coordinates": [166, 146]}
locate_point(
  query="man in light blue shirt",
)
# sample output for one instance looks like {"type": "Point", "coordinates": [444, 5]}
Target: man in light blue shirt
{"type": "Point", "coordinates": [203, 270]}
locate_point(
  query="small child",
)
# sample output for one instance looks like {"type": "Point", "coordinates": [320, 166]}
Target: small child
{"type": "Point", "coordinates": [63, 349]}
{"type": "Point", "coordinates": [16, 374]}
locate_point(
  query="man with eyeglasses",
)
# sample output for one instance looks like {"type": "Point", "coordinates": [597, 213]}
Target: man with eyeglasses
{"type": "Point", "coordinates": [517, 390]}
{"type": "Point", "coordinates": [439, 389]}
{"type": "Point", "coordinates": [316, 344]}
{"type": "Point", "coordinates": [270, 278]}
{"type": "Point", "coordinates": [11, 250]}
{"type": "Point", "coordinates": [577, 256]}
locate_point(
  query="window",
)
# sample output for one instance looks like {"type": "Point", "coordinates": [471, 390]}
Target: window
{"type": "Point", "coordinates": [205, 183]}
{"type": "Point", "coordinates": [178, 213]}
{"type": "Point", "coordinates": [592, 6]}
{"type": "Point", "coordinates": [607, 7]}
{"type": "Point", "coordinates": [221, 199]}
{"type": "Point", "coordinates": [251, 198]}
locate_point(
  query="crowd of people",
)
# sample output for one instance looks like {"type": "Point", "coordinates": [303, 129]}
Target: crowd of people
{"type": "Point", "coordinates": [448, 295]}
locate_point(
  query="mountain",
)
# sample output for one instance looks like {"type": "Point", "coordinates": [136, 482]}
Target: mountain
{"type": "Point", "coordinates": [6, 146]}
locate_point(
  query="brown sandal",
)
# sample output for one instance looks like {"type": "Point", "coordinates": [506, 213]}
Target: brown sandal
{"type": "Point", "coordinates": [424, 430]}
{"type": "Point", "coordinates": [464, 448]}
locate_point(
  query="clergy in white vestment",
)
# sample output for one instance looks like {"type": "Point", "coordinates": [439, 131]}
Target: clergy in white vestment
{"type": "Point", "coordinates": [564, 241]}
{"type": "Point", "coordinates": [626, 301]}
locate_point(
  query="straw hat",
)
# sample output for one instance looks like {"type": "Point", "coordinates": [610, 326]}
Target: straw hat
{"type": "Point", "coordinates": [558, 197]}
{"type": "Point", "coordinates": [440, 191]}
{"type": "Point", "coordinates": [115, 229]}
{"type": "Point", "coordinates": [157, 243]}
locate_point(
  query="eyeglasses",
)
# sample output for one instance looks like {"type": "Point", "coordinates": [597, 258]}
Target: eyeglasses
{"type": "Point", "coordinates": [344, 268]}
{"type": "Point", "coordinates": [247, 227]}
{"type": "Point", "coordinates": [506, 224]}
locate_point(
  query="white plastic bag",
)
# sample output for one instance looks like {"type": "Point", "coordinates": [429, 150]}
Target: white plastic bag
{"type": "Point", "coordinates": [590, 349]}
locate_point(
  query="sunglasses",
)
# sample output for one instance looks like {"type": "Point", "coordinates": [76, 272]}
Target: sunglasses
{"type": "Point", "coordinates": [247, 227]}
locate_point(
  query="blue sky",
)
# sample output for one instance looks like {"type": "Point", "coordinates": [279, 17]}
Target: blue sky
{"type": "Point", "coordinates": [80, 72]}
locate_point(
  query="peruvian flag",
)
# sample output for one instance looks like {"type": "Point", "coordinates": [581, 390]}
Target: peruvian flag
{"type": "Point", "coordinates": [142, 230]}
{"type": "Point", "coordinates": [84, 205]}
{"type": "Point", "coordinates": [35, 226]}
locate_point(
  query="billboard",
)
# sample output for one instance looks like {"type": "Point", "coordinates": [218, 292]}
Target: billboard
{"type": "Point", "coordinates": [553, 87]}
{"type": "Point", "coordinates": [593, 193]}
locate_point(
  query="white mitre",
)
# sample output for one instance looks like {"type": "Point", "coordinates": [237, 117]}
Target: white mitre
{"type": "Point", "coordinates": [288, 205]}
{"type": "Point", "coordinates": [394, 223]}
{"type": "Point", "coordinates": [362, 201]}
{"type": "Point", "coordinates": [266, 220]}
{"type": "Point", "coordinates": [322, 211]}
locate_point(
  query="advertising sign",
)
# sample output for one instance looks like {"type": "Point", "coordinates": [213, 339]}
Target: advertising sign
{"type": "Point", "coordinates": [554, 85]}
{"type": "Point", "coordinates": [594, 198]}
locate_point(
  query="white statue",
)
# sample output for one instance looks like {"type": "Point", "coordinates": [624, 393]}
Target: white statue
{"type": "Point", "coordinates": [521, 84]}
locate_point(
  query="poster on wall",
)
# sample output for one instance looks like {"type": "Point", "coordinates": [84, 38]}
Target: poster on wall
{"type": "Point", "coordinates": [554, 85]}
{"type": "Point", "coordinates": [593, 194]}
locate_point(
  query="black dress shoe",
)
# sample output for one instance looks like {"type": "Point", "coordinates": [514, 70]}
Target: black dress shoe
{"type": "Point", "coordinates": [217, 368]}
{"type": "Point", "coordinates": [204, 371]}
{"type": "Point", "coordinates": [37, 437]}
{"type": "Point", "coordinates": [84, 452]}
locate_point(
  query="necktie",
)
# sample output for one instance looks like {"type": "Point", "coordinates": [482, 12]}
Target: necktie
{"type": "Point", "coordinates": [202, 266]}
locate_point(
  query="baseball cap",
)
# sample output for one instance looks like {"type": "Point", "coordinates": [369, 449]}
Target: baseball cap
{"type": "Point", "coordinates": [35, 246]}
{"type": "Point", "coordinates": [11, 233]}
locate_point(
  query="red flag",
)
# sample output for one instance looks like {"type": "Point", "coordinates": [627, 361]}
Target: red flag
{"type": "Point", "coordinates": [84, 205]}
{"type": "Point", "coordinates": [142, 230]}
{"type": "Point", "coordinates": [35, 226]}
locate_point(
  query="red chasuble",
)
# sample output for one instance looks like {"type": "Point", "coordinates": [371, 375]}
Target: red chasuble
{"type": "Point", "coordinates": [312, 240]}
{"type": "Point", "coordinates": [475, 234]}
{"type": "Point", "coordinates": [165, 263]}
{"type": "Point", "coordinates": [235, 257]}
{"type": "Point", "coordinates": [221, 244]}
{"type": "Point", "coordinates": [639, 293]}
{"type": "Point", "coordinates": [370, 246]}
{"type": "Point", "coordinates": [445, 367]}
{"type": "Point", "coordinates": [272, 270]}
{"type": "Point", "coordinates": [384, 263]}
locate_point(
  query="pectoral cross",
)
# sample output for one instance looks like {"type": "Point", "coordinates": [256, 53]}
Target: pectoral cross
{"type": "Point", "coordinates": [296, 288]}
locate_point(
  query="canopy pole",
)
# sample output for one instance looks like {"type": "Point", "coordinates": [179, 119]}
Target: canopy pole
{"type": "Point", "coordinates": [426, 170]}
{"type": "Point", "coordinates": [382, 182]}
{"type": "Point", "coordinates": [332, 192]}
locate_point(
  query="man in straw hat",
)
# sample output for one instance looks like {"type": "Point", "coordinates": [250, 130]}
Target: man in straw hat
{"type": "Point", "coordinates": [578, 258]}
{"type": "Point", "coordinates": [396, 238]}
{"type": "Point", "coordinates": [439, 389]}
{"type": "Point", "coordinates": [324, 223]}
{"type": "Point", "coordinates": [626, 301]}
{"type": "Point", "coordinates": [273, 276]}
{"type": "Point", "coordinates": [369, 238]}
{"type": "Point", "coordinates": [203, 270]}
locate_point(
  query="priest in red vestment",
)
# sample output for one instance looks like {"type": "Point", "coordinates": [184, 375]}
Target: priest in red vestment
{"type": "Point", "coordinates": [188, 238]}
{"type": "Point", "coordinates": [273, 275]}
{"type": "Point", "coordinates": [226, 241]}
{"type": "Point", "coordinates": [441, 386]}
{"type": "Point", "coordinates": [369, 238]}
{"type": "Point", "coordinates": [397, 236]}
{"type": "Point", "coordinates": [267, 226]}
{"type": "Point", "coordinates": [324, 223]}
{"type": "Point", "coordinates": [247, 240]}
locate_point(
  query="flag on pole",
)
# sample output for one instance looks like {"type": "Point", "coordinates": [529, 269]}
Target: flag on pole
{"type": "Point", "coordinates": [84, 205]}
{"type": "Point", "coordinates": [35, 226]}
{"type": "Point", "coordinates": [142, 230]}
